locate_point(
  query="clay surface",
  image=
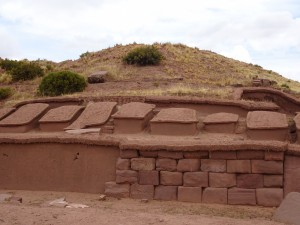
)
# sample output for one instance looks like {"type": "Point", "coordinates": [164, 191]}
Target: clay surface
{"type": "Point", "coordinates": [61, 114]}
{"type": "Point", "coordinates": [266, 120]}
{"type": "Point", "coordinates": [5, 112]}
{"type": "Point", "coordinates": [134, 110]}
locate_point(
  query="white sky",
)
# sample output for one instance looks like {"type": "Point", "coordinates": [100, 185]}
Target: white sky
{"type": "Point", "coordinates": [264, 32]}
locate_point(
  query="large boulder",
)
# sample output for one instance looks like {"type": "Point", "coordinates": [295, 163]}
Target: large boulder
{"type": "Point", "coordinates": [97, 77]}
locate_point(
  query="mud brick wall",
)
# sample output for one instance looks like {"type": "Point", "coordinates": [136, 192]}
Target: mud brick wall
{"type": "Point", "coordinates": [224, 177]}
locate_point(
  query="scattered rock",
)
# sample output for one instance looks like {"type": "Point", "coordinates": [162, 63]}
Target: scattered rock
{"type": "Point", "coordinates": [102, 197]}
{"type": "Point", "coordinates": [76, 206]}
{"type": "Point", "coordinates": [5, 197]}
{"type": "Point", "coordinates": [144, 200]}
{"type": "Point", "coordinates": [97, 77]}
{"type": "Point", "coordinates": [61, 202]}
{"type": "Point", "coordinates": [16, 199]}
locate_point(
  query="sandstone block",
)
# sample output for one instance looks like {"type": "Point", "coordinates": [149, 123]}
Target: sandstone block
{"type": "Point", "coordinates": [189, 194]}
{"type": "Point", "coordinates": [188, 165]}
{"type": "Point", "coordinates": [149, 154]}
{"type": "Point", "coordinates": [126, 176]}
{"type": "Point", "coordinates": [213, 165]}
{"type": "Point", "coordinates": [195, 179]}
{"type": "Point", "coordinates": [143, 164]}
{"type": "Point", "coordinates": [238, 166]}
{"type": "Point", "coordinates": [166, 164]}
{"type": "Point", "coordinates": [267, 167]}
{"type": "Point", "coordinates": [128, 154]}
{"type": "Point", "coordinates": [248, 154]}
{"type": "Point", "coordinates": [273, 180]}
{"type": "Point", "coordinates": [270, 197]}
{"type": "Point", "coordinates": [170, 154]}
{"type": "Point", "coordinates": [222, 180]}
{"type": "Point", "coordinates": [142, 191]}
{"type": "Point", "coordinates": [167, 193]}
{"type": "Point", "coordinates": [150, 177]}
{"type": "Point", "coordinates": [196, 155]}
{"type": "Point", "coordinates": [117, 190]}
{"type": "Point", "coordinates": [123, 164]}
{"type": "Point", "coordinates": [170, 178]}
{"type": "Point", "coordinates": [250, 180]}
{"type": "Point", "coordinates": [240, 196]}
{"type": "Point", "coordinates": [276, 156]}
{"type": "Point", "coordinates": [291, 174]}
{"type": "Point", "coordinates": [223, 155]}
{"type": "Point", "coordinates": [215, 195]}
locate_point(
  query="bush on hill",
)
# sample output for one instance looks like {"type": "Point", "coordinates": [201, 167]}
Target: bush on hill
{"type": "Point", "coordinates": [5, 92]}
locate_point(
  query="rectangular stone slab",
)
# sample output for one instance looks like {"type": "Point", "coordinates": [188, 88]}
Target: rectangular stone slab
{"type": "Point", "coordinates": [5, 112]}
{"type": "Point", "coordinates": [134, 110]}
{"type": "Point", "coordinates": [265, 120]}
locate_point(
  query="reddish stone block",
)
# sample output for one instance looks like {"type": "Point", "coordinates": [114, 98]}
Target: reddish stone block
{"type": "Point", "coordinates": [273, 180]}
{"type": "Point", "coordinates": [123, 164]}
{"type": "Point", "coordinates": [149, 154]}
{"type": "Point", "coordinates": [117, 190]}
{"type": "Point", "coordinates": [166, 164]}
{"type": "Point", "coordinates": [188, 165]}
{"type": "Point", "coordinates": [250, 154]}
{"type": "Point", "coordinates": [150, 177]}
{"type": "Point", "coordinates": [213, 165]}
{"type": "Point", "coordinates": [170, 178]}
{"type": "Point", "coordinates": [195, 179]}
{"type": "Point", "coordinates": [170, 154]}
{"type": "Point", "coordinates": [270, 197]}
{"type": "Point", "coordinates": [189, 194]}
{"type": "Point", "coordinates": [238, 166]}
{"type": "Point", "coordinates": [215, 195]}
{"type": "Point", "coordinates": [222, 180]}
{"type": "Point", "coordinates": [276, 156]}
{"type": "Point", "coordinates": [142, 191]}
{"type": "Point", "coordinates": [196, 155]}
{"type": "Point", "coordinates": [126, 176]}
{"type": "Point", "coordinates": [291, 174]}
{"type": "Point", "coordinates": [267, 167]}
{"type": "Point", "coordinates": [143, 164]}
{"type": "Point", "coordinates": [167, 193]}
{"type": "Point", "coordinates": [240, 196]}
{"type": "Point", "coordinates": [128, 154]}
{"type": "Point", "coordinates": [223, 155]}
{"type": "Point", "coordinates": [250, 180]}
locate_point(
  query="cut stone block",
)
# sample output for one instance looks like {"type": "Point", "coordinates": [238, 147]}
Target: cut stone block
{"type": "Point", "coordinates": [195, 179]}
{"type": "Point", "coordinates": [128, 154]}
{"type": "Point", "coordinates": [269, 197]}
{"type": "Point", "coordinates": [188, 165]}
{"type": "Point", "coordinates": [4, 112]}
{"type": "Point", "coordinates": [59, 118]}
{"type": "Point", "coordinates": [123, 164]}
{"type": "Point", "coordinates": [266, 125]}
{"type": "Point", "coordinates": [238, 166]}
{"type": "Point", "coordinates": [167, 193]}
{"type": "Point", "coordinates": [273, 180]}
{"type": "Point", "coordinates": [23, 119]}
{"type": "Point", "coordinates": [276, 156]}
{"type": "Point", "coordinates": [250, 180]}
{"type": "Point", "coordinates": [170, 154]}
{"type": "Point", "coordinates": [142, 191]}
{"type": "Point", "coordinates": [222, 180]}
{"type": "Point", "coordinates": [94, 115]}
{"type": "Point", "coordinates": [221, 122]}
{"type": "Point", "coordinates": [267, 167]}
{"type": "Point", "coordinates": [175, 121]}
{"type": "Point", "coordinates": [248, 154]}
{"type": "Point", "coordinates": [223, 155]}
{"type": "Point", "coordinates": [240, 196]}
{"type": "Point", "coordinates": [190, 194]}
{"type": "Point", "coordinates": [215, 195]}
{"type": "Point", "coordinates": [149, 154]}
{"type": "Point", "coordinates": [170, 178]}
{"type": "Point", "coordinates": [142, 163]}
{"type": "Point", "coordinates": [166, 164]}
{"type": "Point", "coordinates": [126, 176]}
{"type": "Point", "coordinates": [133, 117]}
{"type": "Point", "coordinates": [150, 177]}
{"type": "Point", "coordinates": [196, 155]}
{"type": "Point", "coordinates": [213, 165]}
{"type": "Point", "coordinates": [291, 174]}
{"type": "Point", "coordinates": [117, 190]}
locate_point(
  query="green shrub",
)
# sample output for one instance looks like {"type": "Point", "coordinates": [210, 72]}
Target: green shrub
{"type": "Point", "coordinates": [142, 56]}
{"type": "Point", "coordinates": [8, 64]}
{"type": "Point", "coordinates": [5, 92]}
{"type": "Point", "coordinates": [59, 83]}
{"type": "Point", "coordinates": [285, 86]}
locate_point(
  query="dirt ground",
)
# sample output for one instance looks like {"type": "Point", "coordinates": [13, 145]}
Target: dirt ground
{"type": "Point", "coordinates": [35, 209]}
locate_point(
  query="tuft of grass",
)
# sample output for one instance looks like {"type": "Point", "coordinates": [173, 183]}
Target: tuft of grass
{"type": "Point", "coordinates": [5, 92]}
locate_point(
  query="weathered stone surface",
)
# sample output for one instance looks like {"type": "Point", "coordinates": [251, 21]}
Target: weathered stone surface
{"type": "Point", "coordinates": [134, 110]}
{"type": "Point", "coordinates": [215, 195]}
{"type": "Point", "coordinates": [291, 174]}
{"type": "Point", "coordinates": [170, 178]}
{"type": "Point", "coordinates": [5, 197]}
{"type": "Point", "coordinates": [266, 120]}
{"type": "Point", "coordinates": [188, 165]}
{"type": "Point", "coordinates": [150, 177]}
{"type": "Point", "coordinates": [149, 154]}
{"type": "Point", "coordinates": [276, 156]}
{"type": "Point", "coordinates": [213, 165]}
{"type": "Point", "coordinates": [273, 180]}
{"type": "Point", "coordinates": [97, 77]}
{"type": "Point", "coordinates": [142, 191]}
{"type": "Point", "coordinates": [196, 155]}
{"type": "Point", "coordinates": [223, 155]}
{"type": "Point", "coordinates": [222, 180]}
{"type": "Point", "coordinates": [238, 166]}
{"type": "Point", "coordinates": [195, 179]}
{"type": "Point", "coordinates": [166, 164]}
{"type": "Point", "coordinates": [189, 194]}
{"type": "Point", "coordinates": [176, 115]}
{"type": "Point", "coordinates": [142, 163]}
{"type": "Point", "coordinates": [250, 180]}
{"type": "Point", "coordinates": [248, 154]}
{"type": "Point", "coordinates": [126, 176]}
{"type": "Point", "coordinates": [117, 190]}
{"type": "Point", "coordinates": [288, 211]}
{"type": "Point", "coordinates": [221, 118]}
{"type": "Point", "coordinates": [240, 196]}
{"type": "Point", "coordinates": [128, 154]}
{"type": "Point", "coordinates": [5, 112]}
{"type": "Point", "coordinates": [270, 197]}
{"type": "Point", "coordinates": [123, 164]}
{"type": "Point", "coordinates": [267, 167]}
{"type": "Point", "coordinates": [171, 155]}
{"type": "Point", "coordinates": [61, 114]}
{"type": "Point", "coordinates": [167, 193]}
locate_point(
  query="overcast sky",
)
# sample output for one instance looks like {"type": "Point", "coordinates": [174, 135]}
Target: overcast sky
{"type": "Point", "coordinates": [264, 32]}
